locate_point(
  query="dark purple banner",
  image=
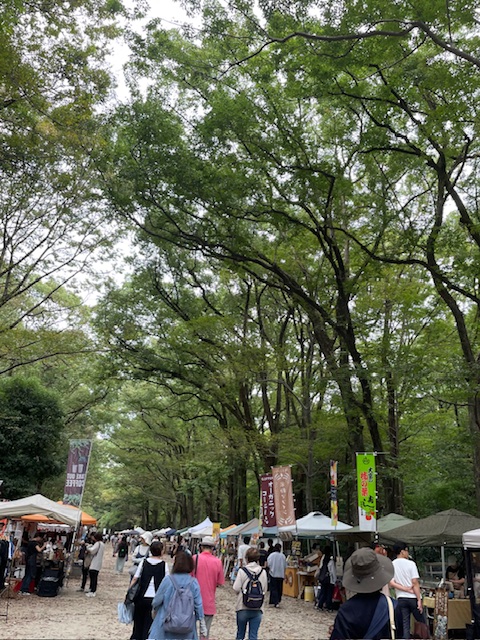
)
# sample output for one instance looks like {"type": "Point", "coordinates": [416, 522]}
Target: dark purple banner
{"type": "Point", "coordinates": [77, 467]}
{"type": "Point", "coordinates": [269, 518]}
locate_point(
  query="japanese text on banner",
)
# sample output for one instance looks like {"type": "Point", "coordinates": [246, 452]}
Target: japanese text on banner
{"type": "Point", "coordinates": [282, 489]}
{"type": "Point", "coordinates": [367, 492]}
{"type": "Point", "coordinates": [267, 512]}
{"type": "Point", "coordinates": [333, 492]}
{"type": "Point", "coordinates": [77, 466]}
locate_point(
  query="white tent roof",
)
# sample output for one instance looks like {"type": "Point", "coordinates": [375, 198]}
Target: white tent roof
{"type": "Point", "coordinates": [39, 504]}
{"type": "Point", "coordinates": [203, 528]}
{"type": "Point", "coordinates": [314, 524]}
{"type": "Point", "coordinates": [471, 539]}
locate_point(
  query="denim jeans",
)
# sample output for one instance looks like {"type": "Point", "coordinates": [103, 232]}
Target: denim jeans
{"type": "Point", "coordinates": [30, 572]}
{"type": "Point", "coordinates": [251, 616]}
{"type": "Point", "coordinates": [405, 607]}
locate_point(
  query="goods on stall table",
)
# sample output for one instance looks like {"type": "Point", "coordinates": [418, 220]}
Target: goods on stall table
{"type": "Point", "coordinates": [440, 619]}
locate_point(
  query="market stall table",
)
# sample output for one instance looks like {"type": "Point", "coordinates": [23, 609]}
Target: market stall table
{"type": "Point", "coordinates": [459, 612]}
{"type": "Point", "coordinates": [290, 584]}
{"type": "Point", "coordinates": [305, 579]}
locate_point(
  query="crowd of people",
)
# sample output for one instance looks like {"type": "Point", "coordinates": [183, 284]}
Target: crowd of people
{"type": "Point", "coordinates": [369, 578]}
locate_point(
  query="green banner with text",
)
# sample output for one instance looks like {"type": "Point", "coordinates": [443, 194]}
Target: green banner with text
{"type": "Point", "coordinates": [367, 492]}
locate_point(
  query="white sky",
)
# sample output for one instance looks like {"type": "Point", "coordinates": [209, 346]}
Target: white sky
{"type": "Point", "coordinates": [171, 14]}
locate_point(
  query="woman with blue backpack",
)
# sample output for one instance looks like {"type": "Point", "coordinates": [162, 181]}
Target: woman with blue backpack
{"type": "Point", "coordinates": [251, 585]}
{"type": "Point", "coordinates": [177, 604]}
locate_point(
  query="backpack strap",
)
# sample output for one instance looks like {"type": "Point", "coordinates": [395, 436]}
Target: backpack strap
{"type": "Point", "coordinates": [251, 575]}
{"type": "Point", "coordinates": [391, 615]}
{"type": "Point", "coordinates": [174, 582]}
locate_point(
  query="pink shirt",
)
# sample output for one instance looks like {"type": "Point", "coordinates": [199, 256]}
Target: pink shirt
{"type": "Point", "coordinates": [209, 573]}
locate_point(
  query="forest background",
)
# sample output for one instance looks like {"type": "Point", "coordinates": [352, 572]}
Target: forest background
{"type": "Point", "coordinates": [280, 222]}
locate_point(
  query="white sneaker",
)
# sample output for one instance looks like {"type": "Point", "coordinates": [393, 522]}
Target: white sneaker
{"type": "Point", "coordinates": [90, 594]}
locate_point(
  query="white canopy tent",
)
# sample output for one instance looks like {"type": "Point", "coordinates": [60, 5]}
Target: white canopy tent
{"type": "Point", "coordinates": [471, 548]}
{"type": "Point", "coordinates": [204, 528]}
{"type": "Point", "coordinates": [40, 504]}
{"type": "Point", "coordinates": [471, 539]}
{"type": "Point", "coordinates": [313, 525]}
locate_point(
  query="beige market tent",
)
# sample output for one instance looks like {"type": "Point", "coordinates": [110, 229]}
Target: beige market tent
{"type": "Point", "coordinates": [440, 529]}
{"type": "Point", "coordinates": [38, 504]}
{"type": "Point", "coordinates": [385, 524]}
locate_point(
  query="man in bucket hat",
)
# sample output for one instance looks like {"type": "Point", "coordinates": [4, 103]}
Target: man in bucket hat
{"type": "Point", "coordinates": [369, 614]}
{"type": "Point", "coordinates": [208, 570]}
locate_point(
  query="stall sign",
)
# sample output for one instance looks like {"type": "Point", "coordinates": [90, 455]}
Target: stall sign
{"type": "Point", "coordinates": [367, 492]}
{"type": "Point", "coordinates": [216, 531]}
{"type": "Point", "coordinates": [333, 492]}
{"type": "Point", "coordinates": [267, 501]}
{"type": "Point", "coordinates": [77, 466]}
{"type": "Point", "coordinates": [282, 490]}
{"type": "Point", "coordinates": [296, 548]}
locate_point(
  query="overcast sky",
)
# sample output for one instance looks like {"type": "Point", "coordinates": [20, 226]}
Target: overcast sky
{"type": "Point", "coordinates": [171, 14]}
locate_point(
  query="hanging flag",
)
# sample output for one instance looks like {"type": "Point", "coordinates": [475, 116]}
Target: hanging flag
{"type": "Point", "coordinates": [333, 492]}
{"type": "Point", "coordinates": [77, 466]}
{"type": "Point", "coordinates": [367, 492]}
{"type": "Point", "coordinates": [282, 490]}
{"type": "Point", "coordinates": [267, 502]}
{"type": "Point", "coordinates": [216, 531]}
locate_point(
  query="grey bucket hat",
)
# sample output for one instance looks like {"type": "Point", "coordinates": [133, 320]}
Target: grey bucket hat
{"type": "Point", "coordinates": [367, 571]}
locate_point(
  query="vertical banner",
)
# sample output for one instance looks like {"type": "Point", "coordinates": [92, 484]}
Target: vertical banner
{"type": "Point", "coordinates": [77, 465]}
{"type": "Point", "coordinates": [283, 493]}
{"type": "Point", "coordinates": [216, 531]}
{"type": "Point", "coordinates": [333, 492]}
{"type": "Point", "coordinates": [267, 502]}
{"type": "Point", "coordinates": [367, 492]}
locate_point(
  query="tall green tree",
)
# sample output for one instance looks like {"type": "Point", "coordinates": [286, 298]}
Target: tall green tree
{"type": "Point", "coordinates": [303, 150]}
{"type": "Point", "coordinates": [54, 82]}
{"type": "Point", "coordinates": [31, 432]}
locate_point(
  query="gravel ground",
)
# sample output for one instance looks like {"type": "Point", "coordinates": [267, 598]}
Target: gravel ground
{"type": "Point", "coordinates": [73, 616]}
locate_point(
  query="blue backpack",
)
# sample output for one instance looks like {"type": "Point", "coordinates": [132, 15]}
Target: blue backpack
{"type": "Point", "coordinates": [253, 591]}
{"type": "Point", "coordinates": [180, 613]}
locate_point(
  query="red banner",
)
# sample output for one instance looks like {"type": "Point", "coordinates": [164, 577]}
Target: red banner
{"type": "Point", "coordinates": [269, 518]}
{"type": "Point", "coordinates": [282, 489]}
{"type": "Point", "coordinates": [77, 465]}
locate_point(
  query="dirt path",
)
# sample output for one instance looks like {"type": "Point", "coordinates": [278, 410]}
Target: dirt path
{"type": "Point", "coordinates": [73, 616]}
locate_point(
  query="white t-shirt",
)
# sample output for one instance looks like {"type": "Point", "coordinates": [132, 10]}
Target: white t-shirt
{"type": "Point", "coordinates": [242, 550]}
{"type": "Point", "coordinates": [150, 592]}
{"type": "Point", "coordinates": [405, 572]}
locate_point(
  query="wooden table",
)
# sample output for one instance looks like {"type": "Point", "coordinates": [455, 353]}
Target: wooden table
{"type": "Point", "coordinates": [290, 584]}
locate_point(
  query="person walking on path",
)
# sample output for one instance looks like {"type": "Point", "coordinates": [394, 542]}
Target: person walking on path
{"type": "Point", "coordinates": [141, 551]}
{"type": "Point", "coordinates": [327, 578]}
{"type": "Point", "coordinates": [246, 616]}
{"type": "Point", "coordinates": [34, 547]}
{"type": "Point", "coordinates": [242, 550]}
{"type": "Point", "coordinates": [208, 570]}
{"type": "Point", "coordinates": [368, 613]}
{"type": "Point", "coordinates": [122, 555]}
{"type": "Point", "coordinates": [277, 565]}
{"type": "Point", "coordinates": [150, 573]}
{"type": "Point", "coordinates": [263, 554]}
{"type": "Point", "coordinates": [407, 589]}
{"type": "Point", "coordinates": [181, 570]}
{"type": "Point", "coordinates": [97, 551]}
{"type": "Point", "coordinates": [86, 559]}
